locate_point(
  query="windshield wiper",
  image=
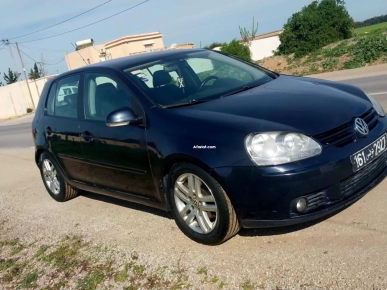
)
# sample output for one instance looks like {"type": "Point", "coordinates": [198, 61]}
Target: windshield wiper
{"type": "Point", "coordinates": [245, 88]}
{"type": "Point", "coordinates": [189, 103]}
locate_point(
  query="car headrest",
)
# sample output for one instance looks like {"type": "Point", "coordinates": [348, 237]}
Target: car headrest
{"type": "Point", "coordinates": [161, 78]}
{"type": "Point", "coordinates": [71, 99]}
{"type": "Point", "coordinates": [106, 90]}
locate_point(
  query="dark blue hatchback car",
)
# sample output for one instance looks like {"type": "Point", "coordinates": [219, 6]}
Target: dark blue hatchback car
{"type": "Point", "coordinates": [220, 142]}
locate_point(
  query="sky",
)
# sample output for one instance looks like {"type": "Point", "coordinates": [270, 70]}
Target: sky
{"type": "Point", "coordinates": [180, 21]}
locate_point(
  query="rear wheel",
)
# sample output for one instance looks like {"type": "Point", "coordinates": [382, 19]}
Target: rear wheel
{"type": "Point", "coordinates": [201, 208]}
{"type": "Point", "coordinates": [54, 181]}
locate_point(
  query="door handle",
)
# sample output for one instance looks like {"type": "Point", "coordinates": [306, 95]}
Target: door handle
{"type": "Point", "coordinates": [87, 136]}
{"type": "Point", "coordinates": [48, 131]}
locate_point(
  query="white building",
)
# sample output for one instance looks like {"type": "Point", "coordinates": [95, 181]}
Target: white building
{"type": "Point", "coordinates": [263, 45]}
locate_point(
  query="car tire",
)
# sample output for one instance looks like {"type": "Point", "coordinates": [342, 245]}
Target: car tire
{"type": "Point", "coordinates": [53, 180]}
{"type": "Point", "coordinates": [201, 207]}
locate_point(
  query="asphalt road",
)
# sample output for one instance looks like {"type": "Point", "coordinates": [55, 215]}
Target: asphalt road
{"type": "Point", "coordinates": [375, 86]}
{"type": "Point", "coordinates": [18, 133]}
{"type": "Point", "coordinates": [16, 136]}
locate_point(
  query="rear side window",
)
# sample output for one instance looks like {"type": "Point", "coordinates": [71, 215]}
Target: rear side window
{"type": "Point", "coordinates": [63, 98]}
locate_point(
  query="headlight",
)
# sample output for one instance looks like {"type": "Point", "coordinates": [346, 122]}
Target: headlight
{"type": "Point", "coordinates": [274, 148]}
{"type": "Point", "coordinates": [378, 108]}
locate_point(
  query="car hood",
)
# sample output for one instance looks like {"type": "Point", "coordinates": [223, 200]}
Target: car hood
{"type": "Point", "coordinates": [304, 105]}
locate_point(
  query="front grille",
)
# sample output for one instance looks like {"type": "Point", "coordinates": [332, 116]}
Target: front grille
{"type": "Point", "coordinates": [345, 134]}
{"type": "Point", "coordinates": [316, 200]}
{"type": "Point", "coordinates": [363, 177]}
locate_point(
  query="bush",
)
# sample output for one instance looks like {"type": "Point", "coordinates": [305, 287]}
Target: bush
{"type": "Point", "coordinates": [214, 44]}
{"type": "Point", "coordinates": [29, 110]}
{"type": "Point", "coordinates": [369, 48]}
{"type": "Point", "coordinates": [238, 49]}
{"type": "Point", "coordinates": [315, 26]}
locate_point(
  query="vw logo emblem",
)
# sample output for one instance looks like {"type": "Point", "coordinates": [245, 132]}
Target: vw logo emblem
{"type": "Point", "coordinates": [361, 127]}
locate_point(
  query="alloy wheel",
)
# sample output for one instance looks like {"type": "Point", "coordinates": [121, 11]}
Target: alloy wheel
{"type": "Point", "coordinates": [50, 176]}
{"type": "Point", "coordinates": [195, 203]}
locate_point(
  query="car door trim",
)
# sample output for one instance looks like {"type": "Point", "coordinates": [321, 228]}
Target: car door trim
{"type": "Point", "coordinates": [107, 165]}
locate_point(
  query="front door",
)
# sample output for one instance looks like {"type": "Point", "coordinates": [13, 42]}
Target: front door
{"type": "Point", "coordinates": [61, 125]}
{"type": "Point", "coordinates": [116, 157]}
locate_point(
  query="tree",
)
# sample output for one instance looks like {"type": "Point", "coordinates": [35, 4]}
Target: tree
{"type": "Point", "coordinates": [11, 77]}
{"type": "Point", "coordinates": [315, 26]}
{"type": "Point", "coordinates": [238, 49]}
{"type": "Point", "coordinates": [34, 73]}
{"type": "Point", "coordinates": [246, 35]}
{"type": "Point", "coordinates": [371, 21]}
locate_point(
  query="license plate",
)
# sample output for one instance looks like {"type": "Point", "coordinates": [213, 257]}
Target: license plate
{"type": "Point", "coordinates": [369, 153]}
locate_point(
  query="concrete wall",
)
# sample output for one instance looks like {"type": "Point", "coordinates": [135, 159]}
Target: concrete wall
{"type": "Point", "coordinates": [15, 98]}
{"type": "Point", "coordinates": [184, 46]}
{"type": "Point", "coordinates": [134, 46]}
{"type": "Point", "coordinates": [261, 48]}
{"type": "Point", "coordinates": [77, 59]}
{"type": "Point", "coordinates": [115, 49]}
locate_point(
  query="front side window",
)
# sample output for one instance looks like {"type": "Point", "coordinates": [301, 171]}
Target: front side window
{"type": "Point", "coordinates": [188, 77]}
{"type": "Point", "coordinates": [63, 98]}
{"type": "Point", "coordinates": [103, 95]}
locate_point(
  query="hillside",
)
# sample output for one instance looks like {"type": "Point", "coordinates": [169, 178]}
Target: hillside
{"type": "Point", "coordinates": [361, 50]}
{"type": "Point", "coordinates": [371, 28]}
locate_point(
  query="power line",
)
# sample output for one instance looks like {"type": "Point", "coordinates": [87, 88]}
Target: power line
{"type": "Point", "coordinates": [37, 61]}
{"type": "Point", "coordinates": [80, 54]}
{"type": "Point", "coordinates": [61, 22]}
{"type": "Point", "coordinates": [43, 49]}
{"type": "Point", "coordinates": [54, 63]}
{"type": "Point", "coordinates": [4, 46]}
{"type": "Point", "coordinates": [87, 24]}
{"type": "Point", "coordinates": [27, 55]}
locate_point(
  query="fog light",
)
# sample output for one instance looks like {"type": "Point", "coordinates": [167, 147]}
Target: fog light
{"type": "Point", "coordinates": [301, 204]}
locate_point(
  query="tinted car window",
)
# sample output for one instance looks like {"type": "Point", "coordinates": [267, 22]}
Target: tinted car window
{"type": "Point", "coordinates": [63, 98]}
{"type": "Point", "coordinates": [146, 75]}
{"type": "Point", "coordinates": [199, 76]}
{"type": "Point", "coordinates": [104, 94]}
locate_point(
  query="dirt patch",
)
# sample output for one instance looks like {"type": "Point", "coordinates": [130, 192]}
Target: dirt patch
{"type": "Point", "coordinates": [333, 57]}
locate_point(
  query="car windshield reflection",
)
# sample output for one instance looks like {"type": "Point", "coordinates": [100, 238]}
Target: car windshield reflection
{"type": "Point", "coordinates": [196, 77]}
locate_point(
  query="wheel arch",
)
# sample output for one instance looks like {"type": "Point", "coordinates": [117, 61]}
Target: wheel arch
{"type": "Point", "coordinates": [174, 159]}
{"type": "Point", "coordinates": [38, 153]}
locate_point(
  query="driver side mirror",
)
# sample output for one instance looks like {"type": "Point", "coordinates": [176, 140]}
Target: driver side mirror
{"type": "Point", "coordinates": [122, 117]}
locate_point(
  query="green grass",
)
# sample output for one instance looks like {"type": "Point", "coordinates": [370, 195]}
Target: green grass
{"type": "Point", "coordinates": [94, 266]}
{"type": "Point", "coordinates": [365, 29]}
{"type": "Point", "coordinates": [92, 279]}
{"type": "Point", "coordinates": [66, 256]}
{"type": "Point", "coordinates": [29, 281]}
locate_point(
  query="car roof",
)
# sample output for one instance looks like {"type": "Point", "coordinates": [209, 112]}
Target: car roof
{"type": "Point", "coordinates": [130, 61]}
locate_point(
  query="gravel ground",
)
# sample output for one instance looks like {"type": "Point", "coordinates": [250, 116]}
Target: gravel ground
{"type": "Point", "coordinates": [345, 251]}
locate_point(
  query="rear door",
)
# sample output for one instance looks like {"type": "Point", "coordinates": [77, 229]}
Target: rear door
{"type": "Point", "coordinates": [116, 157]}
{"type": "Point", "coordinates": [61, 125]}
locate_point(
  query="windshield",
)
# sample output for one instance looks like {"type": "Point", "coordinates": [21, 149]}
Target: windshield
{"type": "Point", "coordinates": [195, 77]}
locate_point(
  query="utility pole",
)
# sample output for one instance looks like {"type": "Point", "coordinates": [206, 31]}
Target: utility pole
{"type": "Point", "coordinates": [25, 76]}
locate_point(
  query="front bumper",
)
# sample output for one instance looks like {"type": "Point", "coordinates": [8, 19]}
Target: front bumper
{"type": "Point", "coordinates": [264, 196]}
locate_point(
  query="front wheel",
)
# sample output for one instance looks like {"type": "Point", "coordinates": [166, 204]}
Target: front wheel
{"type": "Point", "coordinates": [201, 208]}
{"type": "Point", "coordinates": [54, 181]}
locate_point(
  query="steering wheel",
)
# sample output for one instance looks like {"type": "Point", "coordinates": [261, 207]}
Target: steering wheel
{"type": "Point", "coordinates": [206, 80]}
